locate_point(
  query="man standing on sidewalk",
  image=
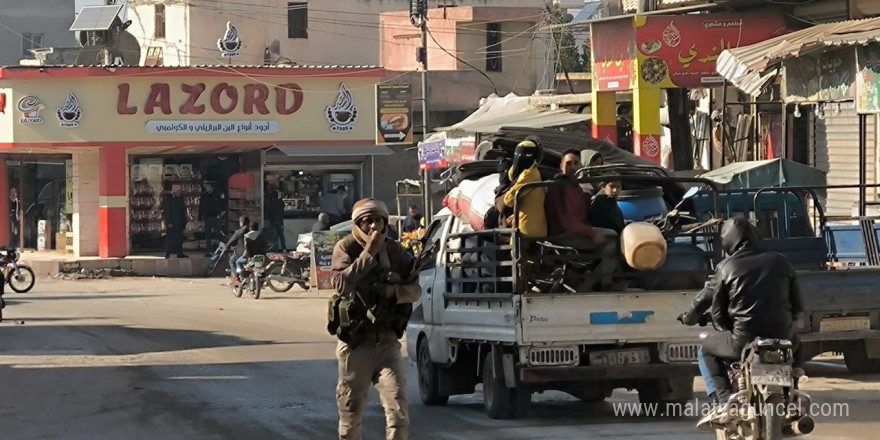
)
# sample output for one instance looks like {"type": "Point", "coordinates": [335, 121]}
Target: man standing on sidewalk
{"type": "Point", "coordinates": [210, 211]}
{"type": "Point", "coordinates": [174, 214]}
{"type": "Point", "coordinates": [375, 293]}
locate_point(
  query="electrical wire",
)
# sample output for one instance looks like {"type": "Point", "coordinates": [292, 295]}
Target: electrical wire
{"type": "Point", "coordinates": [494, 86]}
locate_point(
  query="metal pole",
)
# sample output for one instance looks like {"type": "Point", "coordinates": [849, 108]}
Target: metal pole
{"type": "Point", "coordinates": [426, 175]}
{"type": "Point", "coordinates": [724, 137]}
{"type": "Point", "coordinates": [863, 162]}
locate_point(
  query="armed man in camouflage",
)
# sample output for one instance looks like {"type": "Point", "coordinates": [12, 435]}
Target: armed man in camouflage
{"type": "Point", "coordinates": [373, 278]}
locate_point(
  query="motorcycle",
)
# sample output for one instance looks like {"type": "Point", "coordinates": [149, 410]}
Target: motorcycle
{"type": "Point", "coordinates": [766, 403]}
{"type": "Point", "coordinates": [251, 278]}
{"type": "Point", "coordinates": [287, 269]}
{"type": "Point", "coordinates": [20, 277]}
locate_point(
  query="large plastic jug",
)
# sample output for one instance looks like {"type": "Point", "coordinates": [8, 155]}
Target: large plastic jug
{"type": "Point", "coordinates": [643, 245]}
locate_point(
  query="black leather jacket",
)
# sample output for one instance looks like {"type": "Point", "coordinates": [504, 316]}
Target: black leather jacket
{"type": "Point", "coordinates": [754, 292]}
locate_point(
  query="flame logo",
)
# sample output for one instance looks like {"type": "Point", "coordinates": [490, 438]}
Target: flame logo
{"type": "Point", "coordinates": [343, 113]}
{"type": "Point", "coordinates": [30, 107]}
{"type": "Point", "coordinates": [70, 113]}
{"type": "Point", "coordinates": [231, 42]}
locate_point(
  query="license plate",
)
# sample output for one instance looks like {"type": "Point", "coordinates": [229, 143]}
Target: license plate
{"type": "Point", "coordinates": [845, 324]}
{"type": "Point", "coordinates": [621, 357]}
{"type": "Point", "coordinates": [779, 375]}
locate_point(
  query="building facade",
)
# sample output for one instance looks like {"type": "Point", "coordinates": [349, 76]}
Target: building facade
{"type": "Point", "coordinates": [26, 25]}
{"type": "Point", "coordinates": [87, 153]}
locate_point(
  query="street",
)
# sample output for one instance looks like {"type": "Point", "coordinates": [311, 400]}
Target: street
{"type": "Point", "coordinates": [174, 359]}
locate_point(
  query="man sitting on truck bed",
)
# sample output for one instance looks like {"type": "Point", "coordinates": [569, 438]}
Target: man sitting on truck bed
{"type": "Point", "coordinates": [567, 208]}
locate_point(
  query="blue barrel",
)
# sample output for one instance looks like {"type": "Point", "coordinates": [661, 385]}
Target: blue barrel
{"type": "Point", "coordinates": [639, 204]}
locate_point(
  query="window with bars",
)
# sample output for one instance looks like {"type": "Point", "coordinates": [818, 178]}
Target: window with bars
{"type": "Point", "coordinates": [493, 47]}
{"type": "Point", "coordinates": [298, 20]}
{"type": "Point", "coordinates": [30, 41]}
{"type": "Point", "coordinates": [160, 21]}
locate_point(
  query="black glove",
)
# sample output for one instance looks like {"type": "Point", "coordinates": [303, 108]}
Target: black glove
{"type": "Point", "coordinates": [680, 318]}
{"type": "Point", "coordinates": [704, 320]}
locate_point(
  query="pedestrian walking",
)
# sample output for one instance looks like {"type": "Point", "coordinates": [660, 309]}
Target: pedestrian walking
{"type": "Point", "coordinates": [375, 292]}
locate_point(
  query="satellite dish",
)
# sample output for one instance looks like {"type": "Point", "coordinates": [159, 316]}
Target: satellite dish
{"type": "Point", "coordinates": [126, 46]}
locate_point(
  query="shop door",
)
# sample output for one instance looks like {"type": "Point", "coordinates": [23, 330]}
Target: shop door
{"type": "Point", "coordinates": [37, 190]}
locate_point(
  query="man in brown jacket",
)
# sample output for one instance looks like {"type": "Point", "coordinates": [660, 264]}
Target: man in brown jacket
{"type": "Point", "coordinates": [374, 273]}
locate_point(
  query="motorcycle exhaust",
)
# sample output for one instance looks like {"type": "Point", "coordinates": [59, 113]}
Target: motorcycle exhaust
{"type": "Point", "coordinates": [801, 426]}
{"type": "Point", "coordinates": [284, 279]}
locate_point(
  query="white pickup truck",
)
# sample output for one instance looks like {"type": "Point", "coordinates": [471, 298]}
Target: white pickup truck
{"type": "Point", "coordinates": [476, 324]}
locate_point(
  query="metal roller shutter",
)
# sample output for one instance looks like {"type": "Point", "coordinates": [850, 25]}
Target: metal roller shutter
{"type": "Point", "coordinates": [837, 151]}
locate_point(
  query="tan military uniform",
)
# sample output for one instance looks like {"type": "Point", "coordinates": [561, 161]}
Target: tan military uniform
{"type": "Point", "coordinates": [376, 358]}
{"type": "Point", "coordinates": [377, 361]}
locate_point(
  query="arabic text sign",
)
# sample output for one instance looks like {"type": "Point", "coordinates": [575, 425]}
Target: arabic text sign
{"type": "Point", "coordinates": [394, 114]}
{"type": "Point", "coordinates": [868, 79]}
{"type": "Point", "coordinates": [212, 127]}
{"type": "Point", "coordinates": [829, 76]}
{"type": "Point", "coordinates": [432, 155]}
{"type": "Point", "coordinates": [612, 51]}
{"type": "Point", "coordinates": [680, 51]}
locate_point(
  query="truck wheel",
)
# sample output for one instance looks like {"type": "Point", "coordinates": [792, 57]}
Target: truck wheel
{"type": "Point", "coordinates": [502, 402]}
{"type": "Point", "coordinates": [429, 382]}
{"type": "Point", "coordinates": [858, 362]}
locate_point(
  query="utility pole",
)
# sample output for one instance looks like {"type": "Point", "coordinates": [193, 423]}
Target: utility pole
{"type": "Point", "coordinates": [418, 15]}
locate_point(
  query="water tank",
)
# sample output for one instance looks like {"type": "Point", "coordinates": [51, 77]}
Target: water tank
{"type": "Point", "coordinates": [640, 204]}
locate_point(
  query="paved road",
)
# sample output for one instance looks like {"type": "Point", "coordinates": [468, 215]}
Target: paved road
{"type": "Point", "coordinates": [176, 359]}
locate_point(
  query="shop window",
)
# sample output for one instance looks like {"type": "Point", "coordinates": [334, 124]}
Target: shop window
{"type": "Point", "coordinates": [30, 41]}
{"type": "Point", "coordinates": [160, 21]}
{"type": "Point", "coordinates": [298, 20]}
{"type": "Point", "coordinates": [151, 179]}
{"type": "Point", "coordinates": [306, 192]}
{"type": "Point", "coordinates": [40, 202]}
{"type": "Point", "coordinates": [493, 47]}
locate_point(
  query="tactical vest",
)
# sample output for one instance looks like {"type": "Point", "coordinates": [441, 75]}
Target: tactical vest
{"type": "Point", "coordinates": [352, 317]}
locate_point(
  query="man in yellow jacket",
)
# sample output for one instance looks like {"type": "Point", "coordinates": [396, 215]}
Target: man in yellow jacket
{"type": "Point", "coordinates": [532, 221]}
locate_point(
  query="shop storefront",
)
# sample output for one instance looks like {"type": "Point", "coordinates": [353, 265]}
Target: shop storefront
{"type": "Point", "coordinates": [89, 156]}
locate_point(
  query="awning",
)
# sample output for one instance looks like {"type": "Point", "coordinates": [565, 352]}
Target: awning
{"type": "Point", "coordinates": [324, 150]}
{"type": "Point", "coordinates": [768, 173]}
{"type": "Point", "coordinates": [513, 111]}
{"type": "Point", "coordinates": [749, 68]}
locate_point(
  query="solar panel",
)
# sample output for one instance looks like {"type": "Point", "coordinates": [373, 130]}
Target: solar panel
{"type": "Point", "coordinates": [95, 18]}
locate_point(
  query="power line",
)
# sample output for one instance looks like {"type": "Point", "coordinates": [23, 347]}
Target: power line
{"type": "Point", "coordinates": [462, 61]}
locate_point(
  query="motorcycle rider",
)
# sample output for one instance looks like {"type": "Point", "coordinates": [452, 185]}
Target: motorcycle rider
{"type": "Point", "coordinates": [254, 244]}
{"type": "Point", "coordinates": [753, 293]}
{"type": "Point", "coordinates": [237, 240]}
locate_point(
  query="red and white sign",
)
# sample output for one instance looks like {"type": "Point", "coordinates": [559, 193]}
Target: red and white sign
{"type": "Point", "coordinates": [219, 99]}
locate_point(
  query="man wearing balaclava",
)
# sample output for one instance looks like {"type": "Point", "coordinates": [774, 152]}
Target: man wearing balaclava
{"type": "Point", "coordinates": [375, 292]}
{"type": "Point", "coordinates": [532, 221]}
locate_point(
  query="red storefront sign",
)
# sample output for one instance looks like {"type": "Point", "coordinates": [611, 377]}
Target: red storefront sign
{"type": "Point", "coordinates": [221, 99]}
{"type": "Point", "coordinates": [671, 51]}
{"type": "Point", "coordinates": [613, 50]}
{"type": "Point", "coordinates": [687, 46]}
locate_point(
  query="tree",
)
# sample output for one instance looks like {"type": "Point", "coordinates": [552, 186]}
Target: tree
{"type": "Point", "coordinates": [568, 54]}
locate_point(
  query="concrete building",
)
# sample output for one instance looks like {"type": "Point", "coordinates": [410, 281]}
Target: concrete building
{"type": "Point", "coordinates": [326, 32]}
{"type": "Point", "coordinates": [31, 24]}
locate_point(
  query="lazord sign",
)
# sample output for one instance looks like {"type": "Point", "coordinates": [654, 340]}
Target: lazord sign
{"type": "Point", "coordinates": [221, 99]}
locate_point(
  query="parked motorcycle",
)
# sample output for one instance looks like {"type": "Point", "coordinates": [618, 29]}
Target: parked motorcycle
{"type": "Point", "coordinates": [768, 404]}
{"type": "Point", "coordinates": [251, 278]}
{"type": "Point", "coordinates": [288, 269]}
{"type": "Point", "coordinates": [20, 277]}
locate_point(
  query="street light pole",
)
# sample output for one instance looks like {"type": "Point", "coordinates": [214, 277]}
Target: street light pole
{"type": "Point", "coordinates": [418, 16]}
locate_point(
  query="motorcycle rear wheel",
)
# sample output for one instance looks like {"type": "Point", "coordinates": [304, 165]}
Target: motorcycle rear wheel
{"type": "Point", "coordinates": [275, 285]}
{"type": "Point", "coordinates": [23, 281]}
{"type": "Point", "coordinates": [772, 419]}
